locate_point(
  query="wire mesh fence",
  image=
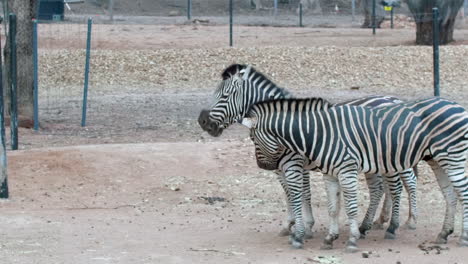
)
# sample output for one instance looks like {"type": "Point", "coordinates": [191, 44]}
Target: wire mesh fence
{"type": "Point", "coordinates": [137, 49]}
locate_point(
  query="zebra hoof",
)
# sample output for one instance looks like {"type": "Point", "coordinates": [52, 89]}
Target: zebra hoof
{"type": "Point", "coordinates": [309, 234]}
{"type": "Point", "coordinates": [325, 246]}
{"type": "Point", "coordinates": [378, 226]}
{"type": "Point", "coordinates": [410, 226]}
{"type": "Point", "coordinates": [351, 247]}
{"type": "Point", "coordinates": [297, 244]}
{"type": "Point", "coordinates": [363, 232]}
{"type": "Point", "coordinates": [463, 242]}
{"type": "Point", "coordinates": [440, 240]}
{"type": "Point", "coordinates": [389, 235]}
{"type": "Point", "coordinates": [284, 232]}
{"type": "Point", "coordinates": [410, 223]}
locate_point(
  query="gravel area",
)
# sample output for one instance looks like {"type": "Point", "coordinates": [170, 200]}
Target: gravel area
{"type": "Point", "coordinates": [372, 70]}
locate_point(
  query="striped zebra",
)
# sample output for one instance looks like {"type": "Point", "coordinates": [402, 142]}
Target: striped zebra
{"type": "Point", "coordinates": [243, 86]}
{"type": "Point", "coordinates": [344, 140]}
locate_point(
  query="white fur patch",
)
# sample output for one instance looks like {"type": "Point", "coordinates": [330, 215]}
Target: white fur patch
{"type": "Point", "coordinates": [248, 122]}
{"type": "Point", "coordinates": [246, 72]}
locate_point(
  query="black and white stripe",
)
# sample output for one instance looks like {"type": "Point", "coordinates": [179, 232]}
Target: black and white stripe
{"type": "Point", "coordinates": [241, 87]}
{"type": "Point", "coordinates": [344, 140]}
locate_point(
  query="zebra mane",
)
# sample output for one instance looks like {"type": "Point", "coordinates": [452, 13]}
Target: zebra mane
{"type": "Point", "coordinates": [251, 118]}
{"type": "Point", "coordinates": [234, 69]}
{"type": "Point", "coordinates": [318, 103]}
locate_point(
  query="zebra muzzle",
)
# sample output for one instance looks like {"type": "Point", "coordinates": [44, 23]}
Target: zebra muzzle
{"type": "Point", "coordinates": [207, 125]}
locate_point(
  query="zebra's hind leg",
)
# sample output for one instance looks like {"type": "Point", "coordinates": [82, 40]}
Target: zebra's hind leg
{"type": "Point", "coordinates": [349, 182]}
{"type": "Point", "coordinates": [450, 199]}
{"type": "Point", "coordinates": [333, 194]}
{"type": "Point", "coordinates": [374, 183]}
{"type": "Point", "coordinates": [454, 168]}
{"type": "Point", "coordinates": [395, 186]}
{"type": "Point", "coordinates": [409, 180]}
{"type": "Point", "coordinates": [386, 208]}
{"type": "Point", "coordinates": [309, 220]}
{"type": "Point", "coordinates": [286, 230]}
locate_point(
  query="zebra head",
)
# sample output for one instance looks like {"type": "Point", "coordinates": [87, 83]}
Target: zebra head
{"type": "Point", "coordinates": [240, 88]}
{"type": "Point", "coordinates": [268, 152]}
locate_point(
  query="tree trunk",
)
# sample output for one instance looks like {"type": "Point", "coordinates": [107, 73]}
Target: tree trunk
{"type": "Point", "coordinates": [25, 11]}
{"type": "Point", "coordinates": [422, 13]}
{"type": "Point", "coordinates": [379, 13]}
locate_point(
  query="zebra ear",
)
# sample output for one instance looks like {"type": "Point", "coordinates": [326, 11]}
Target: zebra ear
{"type": "Point", "coordinates": [248, 122]}
{"type": "Point", "coordinates": [246, 72]}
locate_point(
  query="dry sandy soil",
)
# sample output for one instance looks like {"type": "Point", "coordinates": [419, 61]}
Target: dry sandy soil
{"type": "Point", "coordinates": [181, 203]}
{"type": "Point", "coordinates": [180, 196]}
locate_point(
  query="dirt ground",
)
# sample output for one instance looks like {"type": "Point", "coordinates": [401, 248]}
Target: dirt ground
{"type": "Point", "coordinates": [141, 183]}
{"type": "Point", "coordinates": [180, 203]}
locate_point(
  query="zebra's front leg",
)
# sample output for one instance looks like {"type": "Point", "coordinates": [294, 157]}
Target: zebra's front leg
{"type": "Point", "coordinates": [348, 183]}
{"type": "Point", "coordinates": [409, 180]}
{"type": "Point", "coordinates": [395, 186]}
{"type": "Point", "coordinates": [289, 223]}
{"type": "Point", "coordinates": [333, 194]}
{"type": "Point", "coordinates": [307, 205]}
{"type": "Point", "coordinates": [375, 185]}
{"type": "Point", "coordinates": [294, 181]}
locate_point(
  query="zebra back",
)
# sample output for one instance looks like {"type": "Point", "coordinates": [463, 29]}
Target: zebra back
{"type": "Point", "coordinates": [381, 140]}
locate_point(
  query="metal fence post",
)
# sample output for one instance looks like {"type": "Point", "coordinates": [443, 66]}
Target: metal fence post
{"type": "Point", "coordinates": [86, 77]}
{"type": "Point", "coordinates": [435, 42]}
{"type": "Point", "coordinates": [391, 18]}
{"type": "Point", "coordinates": [353, 9]}
{"type": "Point", "coordinates": [189, 9]}
{"type": "Point", "coordinates": [111, 10]}
{"type": "Point", "coordinates": [300, 15]}
{"type": "Point", "coordinates": [373, 17]}
{"type": "Point", "coordinates": [3, 154]}
{"type": "Point", "coordinates": [35, 73]}
{"type": "Point", "coordinates": [275, 3]}
{"type": "Point", "coordinates": [230, 22]}
{"type": "Point", "coordinates": [13, 85]}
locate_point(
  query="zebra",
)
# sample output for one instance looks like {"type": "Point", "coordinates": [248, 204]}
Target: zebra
{"type": "Point", "coordinates": [344, 140]}
{"type": "Point", "coordinates": [242, 86]}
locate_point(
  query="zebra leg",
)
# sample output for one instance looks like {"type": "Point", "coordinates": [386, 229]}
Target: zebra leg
{"type": "Point", "coordinates": [395, 186]}
{"type": "Point", "coordinates": [385, 213]}
{"type": "Point", "coordinates": [333, 194]}
{"type": "Point", "coordinates": [307, 206]}
{"type": "Point", "coordinates": [286, 230]}
{"type": "Point", "coordinates": [349, 185]}
{"type": "Point", "coordinates": [455, 174]}
{"type": "Point", "coordinates": [374, 183]}
{"type": "Point", "coordinates": [450, 199]}
{"type": "Point", "coordinates": [409, 180]}
{"type": "Point", "coordinates": [294, 181]}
